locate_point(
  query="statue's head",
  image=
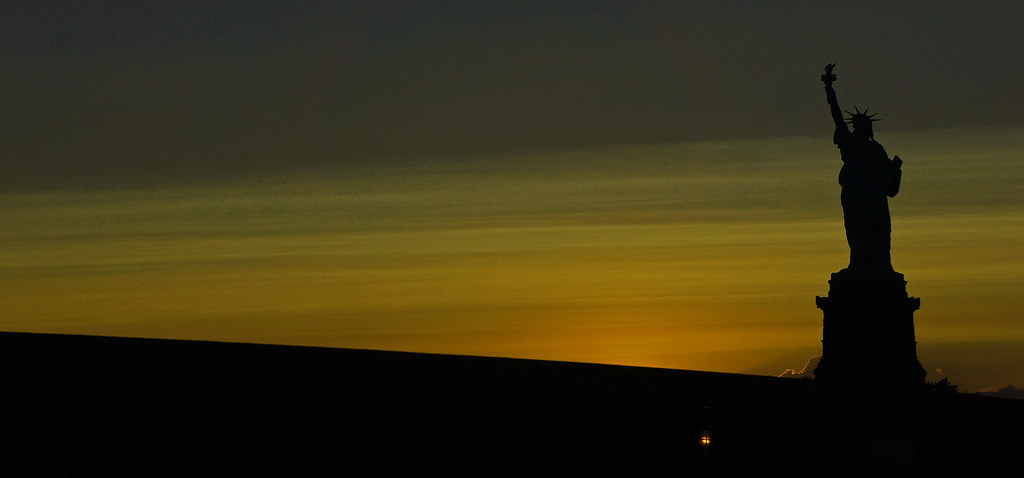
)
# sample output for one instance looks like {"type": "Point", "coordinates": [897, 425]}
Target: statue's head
{"type": "Point", "coordinates": [861, 122]}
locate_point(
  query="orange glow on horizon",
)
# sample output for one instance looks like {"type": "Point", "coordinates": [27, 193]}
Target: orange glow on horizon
{"type": "Point", "coordinates": [712, 264]}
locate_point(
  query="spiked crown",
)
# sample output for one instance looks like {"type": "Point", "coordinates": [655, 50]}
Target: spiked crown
{"type": "Point", "coordinates": [860, 117]}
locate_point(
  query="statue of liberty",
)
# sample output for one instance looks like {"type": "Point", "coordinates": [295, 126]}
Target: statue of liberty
{"type": "Point", "coordinates": [867, 177]}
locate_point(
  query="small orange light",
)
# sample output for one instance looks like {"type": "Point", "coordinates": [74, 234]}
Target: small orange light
{"type": "Point", "coordinates": [705, 439]}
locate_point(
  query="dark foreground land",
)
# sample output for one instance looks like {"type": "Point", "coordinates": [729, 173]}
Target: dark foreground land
{"type": "Point", "coordinates": [104, 406]}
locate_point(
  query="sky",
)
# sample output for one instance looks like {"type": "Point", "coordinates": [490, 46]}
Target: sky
{"type": "Point", "coordinates": [640, 183]}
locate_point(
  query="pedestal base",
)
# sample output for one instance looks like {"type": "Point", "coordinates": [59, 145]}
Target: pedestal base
{"type": "Point", "coordinates": [868, 335]}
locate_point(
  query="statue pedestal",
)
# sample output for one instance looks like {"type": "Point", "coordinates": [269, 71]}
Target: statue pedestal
{"type": "Point", "coordinates": [868, 336]}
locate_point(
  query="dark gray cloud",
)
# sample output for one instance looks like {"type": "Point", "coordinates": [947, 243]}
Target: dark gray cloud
{"type": "Point", "coordinates": [167, 89]}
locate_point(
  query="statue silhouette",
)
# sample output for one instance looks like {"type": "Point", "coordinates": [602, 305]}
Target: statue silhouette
{"type": "Point", "coordinates": [867, 177]}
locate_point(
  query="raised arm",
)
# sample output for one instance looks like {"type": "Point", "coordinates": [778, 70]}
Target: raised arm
{"type": "Point", "coordinates": [830, 95]}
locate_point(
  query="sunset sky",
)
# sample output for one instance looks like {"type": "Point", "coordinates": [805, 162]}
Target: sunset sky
{"type": "Point", "coordinates": [638, 183]}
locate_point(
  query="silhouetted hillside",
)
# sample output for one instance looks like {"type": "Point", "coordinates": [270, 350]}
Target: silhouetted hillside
{"type": "Point", "coordinates": [103, 406]}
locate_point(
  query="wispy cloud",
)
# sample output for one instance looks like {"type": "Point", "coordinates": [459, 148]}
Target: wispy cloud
{"type": "Point", "coordinates": [655, 255]}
